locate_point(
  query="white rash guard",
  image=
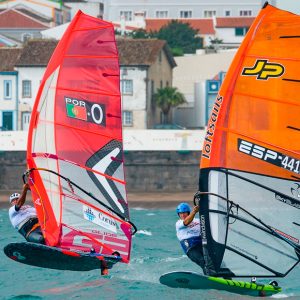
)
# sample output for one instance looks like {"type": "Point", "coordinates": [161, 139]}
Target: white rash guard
{"type": "Point", "coordinates": [19, 217]}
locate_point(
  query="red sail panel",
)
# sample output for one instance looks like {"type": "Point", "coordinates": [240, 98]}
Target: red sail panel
{"type": "Point", "coordinates": [75, 143]}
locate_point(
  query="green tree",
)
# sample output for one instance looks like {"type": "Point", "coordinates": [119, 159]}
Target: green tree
{"type": "Point", "coordinates": [214, 43]}
{"type": "Point", "coordinates": [140, 34]}
{"type": "Point", "coordinates": [168, 97]}
{"type": "Point", "coordinates": [180, 35]}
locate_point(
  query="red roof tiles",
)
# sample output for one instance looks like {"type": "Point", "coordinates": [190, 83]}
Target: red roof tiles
{"type": "Point", "coordinates": [204, 26]}
{"type": "Point", "coordinates": [11, 18]}
{"type": "Point", "coordinates": [233, 22]}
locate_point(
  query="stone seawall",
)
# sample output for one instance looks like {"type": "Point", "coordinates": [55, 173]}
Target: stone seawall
{"type": "Point", "coordinates": [145, 171]}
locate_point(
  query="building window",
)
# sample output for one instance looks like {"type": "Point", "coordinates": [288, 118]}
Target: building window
{"type": "Point", "coordinates": [185, 14]}
{"type": "Point", "coordinates": [127, 15]}
{"type": "Point", "coordinates": [245, 13]}
{"type": "Point", "coordinates": [127, 86]}
{"type": "Point", "coordinates": [58, 17]}
{"type": "Point", "coordinates": [68, 17]}
{"type": "Point", "coordinates": [152, 87]}
{"type": "Point", "coordinates": [161, 14]}
{"type": "Point", "coordinates": [26, 88]}
{"type": "Point", "coordinates": [127, 118]}
{"type": "Point", "coordinates": [7, 89]}
{"type": "Point", "coordinates": [209, 13]}
{"type": "Point", "coordinates": [161, 84]}
{"type": "Point", "coordinates": [241, 31]}
{"type": "Point", "coordinates": [227, 13]}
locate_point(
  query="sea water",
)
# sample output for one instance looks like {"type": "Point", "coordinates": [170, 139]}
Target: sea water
{"type": "Point", "coordinates": [155, 251]}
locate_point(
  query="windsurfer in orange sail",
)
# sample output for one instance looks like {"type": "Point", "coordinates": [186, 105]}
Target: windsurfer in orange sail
{"type": "Point", "coordinates": [24, 217]}
{"type": "Point", "coordinates": [188, 233]}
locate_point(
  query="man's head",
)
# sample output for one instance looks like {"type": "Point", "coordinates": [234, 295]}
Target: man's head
{"type": "Point", "coordinates": [13, 198]}
{"type": "Point", "coordinates": [183, 210]}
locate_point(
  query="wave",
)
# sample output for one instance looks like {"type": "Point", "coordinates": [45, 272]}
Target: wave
{"type": "Point", "coordinates": [144, 232]}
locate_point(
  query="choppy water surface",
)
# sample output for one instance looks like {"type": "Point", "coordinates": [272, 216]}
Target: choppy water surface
{"type": "Point", "coordinates": [155, 251]}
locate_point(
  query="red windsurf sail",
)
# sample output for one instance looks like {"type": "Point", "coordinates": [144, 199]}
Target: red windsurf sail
{"type": "Point", "coordinates": [250, 164]}
{"type": "Point", "coordinates": [75, 150]}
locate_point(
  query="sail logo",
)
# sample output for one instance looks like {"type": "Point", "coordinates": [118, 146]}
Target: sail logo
{"type": "Point", "coordinates": [203, 229]}
{"type": "Point", "coordinates": [18, 255]}
{"type": "Point", "coordinates": [273, 157]}
{"type": "Point", "coordinates": [257, 151]}
{"type": "Point", "coordinates": [263, 69]}
{"type": "Point", "coordinates": [289, 201]}
{"type": "Point", "coordinates": [211, 128]}
{"type": "Point", "coordinates": [76, 108]}
{"type": "Point", "coordinates": [85, 111]}
{"type": "Point", "coordinates": [109, 161]}
{"type": "Point", "coordinates": [88, 213]}
{"type": "Point", "coordinates": [38, 202]}
{"type": "Point", "coordinates": [99, 218]}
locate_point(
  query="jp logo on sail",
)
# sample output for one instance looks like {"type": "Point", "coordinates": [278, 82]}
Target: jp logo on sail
{"type": "Point", "coordinates": [264, 69]}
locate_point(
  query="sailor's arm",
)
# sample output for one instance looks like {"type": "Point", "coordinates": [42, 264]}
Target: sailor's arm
{"type": "Point", "coordinates": [22, 198]}
{"type": "Point", "coordinates": [191, 216]}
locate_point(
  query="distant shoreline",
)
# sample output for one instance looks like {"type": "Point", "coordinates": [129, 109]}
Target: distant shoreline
{"type": "Point", "coordinates": [159, 200]}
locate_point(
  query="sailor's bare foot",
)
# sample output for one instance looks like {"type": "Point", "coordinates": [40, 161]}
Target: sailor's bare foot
{"type": "Point", "coordinates": [104, 271]}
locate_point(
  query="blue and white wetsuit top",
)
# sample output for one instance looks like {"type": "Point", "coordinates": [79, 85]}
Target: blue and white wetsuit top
{"type": "Point", "coordinates": [189, 235]}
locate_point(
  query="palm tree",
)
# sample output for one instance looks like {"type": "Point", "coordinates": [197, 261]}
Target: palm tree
{"type": "Point", "coordinates": [166, 98]}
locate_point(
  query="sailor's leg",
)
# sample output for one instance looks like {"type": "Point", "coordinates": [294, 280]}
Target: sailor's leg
{"type": "Point", "coordinates": [195, 254]}
{"type": "Point", "coordinates": [36, 236]}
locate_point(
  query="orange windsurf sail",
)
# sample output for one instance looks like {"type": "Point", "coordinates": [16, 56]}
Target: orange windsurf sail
{"type": "Point", "coordinates": [250, 166]}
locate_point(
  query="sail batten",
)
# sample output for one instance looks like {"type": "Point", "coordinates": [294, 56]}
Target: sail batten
{"type": "Point", "coordinates": [249, 200]}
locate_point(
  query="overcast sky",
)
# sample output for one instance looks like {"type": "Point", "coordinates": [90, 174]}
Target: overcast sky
{"type": "Point", "coordinates": [290, 5]}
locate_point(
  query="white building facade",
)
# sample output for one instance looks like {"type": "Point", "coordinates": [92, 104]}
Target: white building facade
{"type": "Point", "coordinates": [190, 77]}
{"type": "Point", "coordinates": [133, 90]}
{"type": "Point", "coordinates": [114, 10]}
{"type": "Point", "coordinates": [28, 85]}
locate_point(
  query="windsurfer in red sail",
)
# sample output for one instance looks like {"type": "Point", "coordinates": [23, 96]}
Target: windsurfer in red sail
{"type": "Point", "coordinates": [24, 217]}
